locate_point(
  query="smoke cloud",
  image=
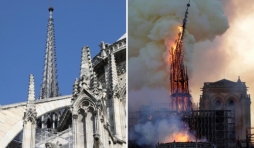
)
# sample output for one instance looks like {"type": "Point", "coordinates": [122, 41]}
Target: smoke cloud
{"type": "Point", "coordinates": [152, 29]}
{"type": "Point", "coordinates": [230, 55]}
{"type": "Point", "coordinates": [147, 133]}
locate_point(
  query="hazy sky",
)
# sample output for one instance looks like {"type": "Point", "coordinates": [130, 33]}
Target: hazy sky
{"type": "Point", "coordinates": [23, 29]}
{"type": "Point", "coordinates": [227, 56]}
{"type": "Point", "coordinates": [230, 55]}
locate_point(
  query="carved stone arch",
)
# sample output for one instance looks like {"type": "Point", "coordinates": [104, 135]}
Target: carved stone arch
{"type": "Point", "coordinates": [231, 105]}
{"type": "Point", "coordinates": [218, 96]}
{"type": "Point", "coordinates": [85, 121]}
{"type": "Point", "coordinates": [217, 102]}
{"type": "Point", "coordinates": [81, 111]}
{"type": "Point", "coordinates": [83, 101]}
{"type": "Point", "coordinates": [233, 97]}
{"type": "Point", "coordinates": [218, 105]}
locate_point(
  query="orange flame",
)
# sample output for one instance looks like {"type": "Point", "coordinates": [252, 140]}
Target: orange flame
{"type": "Point", "coordinates": [182, 136]}
{"type": "Point", "coordinates": [180, 29]}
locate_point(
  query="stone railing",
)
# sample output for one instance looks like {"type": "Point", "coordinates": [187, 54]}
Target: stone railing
{"type": "Point", "coordinates": [117, 46]}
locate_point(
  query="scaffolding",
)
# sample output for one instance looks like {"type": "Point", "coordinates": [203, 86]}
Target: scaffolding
{"type": "Point", "coordinates": [249, 137]}
{"type": "Point", "coordinates": [214, 125]}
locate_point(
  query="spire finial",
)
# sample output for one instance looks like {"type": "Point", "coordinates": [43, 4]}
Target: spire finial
{"type": "Point", "coordinates": [31, 92]}
{"type": "Point", "coordinates": [185, 20]}
{"type": "Point", "coordinates": [51, 9]}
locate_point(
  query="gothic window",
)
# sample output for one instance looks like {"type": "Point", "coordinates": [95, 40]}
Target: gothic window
{"type": "Point", "coordinates": [231, 103]}
{"type": "Point", "coordinates": [231, 106]}
{"type": "Point", "coordinates": [217, 105]}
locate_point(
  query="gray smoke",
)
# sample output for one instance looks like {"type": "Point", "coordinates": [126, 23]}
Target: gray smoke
{"type": "Point", "coordinates": [152, 29]}
{"type": "Point", "coordinates": [150, 133]}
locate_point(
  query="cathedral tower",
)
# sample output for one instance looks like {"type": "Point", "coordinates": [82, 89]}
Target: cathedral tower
{"type": "Point", "coordinates": [229, 95]}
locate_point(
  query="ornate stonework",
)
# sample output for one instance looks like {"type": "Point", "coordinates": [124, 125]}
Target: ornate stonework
{"type": "Point", "coordinates": [93, 116]}
{"type": "Point", "coordinates": [228, 95]}
{"type": "Point", "coordinates": [98, 104]}
{"type": "Point", "coordinates": [30, 116]}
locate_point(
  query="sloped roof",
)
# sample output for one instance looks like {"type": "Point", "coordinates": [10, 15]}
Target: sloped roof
{"type": "Point", "coordinates": [224, 81]}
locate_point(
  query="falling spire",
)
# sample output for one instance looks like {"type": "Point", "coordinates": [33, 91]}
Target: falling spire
{"type": "Point", "coordinates": [180, 96]}
{"type": "Point", "coordinates": [185, 20]}
{"type": "Point", "coordinates": [49, 86]}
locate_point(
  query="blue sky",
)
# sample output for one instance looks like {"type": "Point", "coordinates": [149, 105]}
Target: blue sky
{"type": "Point", "coordinates": [23, 28]}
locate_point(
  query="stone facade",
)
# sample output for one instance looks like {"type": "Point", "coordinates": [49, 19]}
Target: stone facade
{"type": "Point", "coordinates": [94, 116]}
{"type": "Point", "coordinates": [98, 111]}
{"type": "Point", "coordinates": [228, 95]}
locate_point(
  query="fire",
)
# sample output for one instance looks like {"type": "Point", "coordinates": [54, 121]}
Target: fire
{"type": "Point", "coordinates": [180, 29]}
{"type": "Point", "coordinates": [181, 137]}
{"type": "Point", "coordinates": [181, 99]}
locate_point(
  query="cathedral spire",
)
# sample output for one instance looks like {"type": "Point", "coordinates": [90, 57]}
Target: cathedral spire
{"type": "Point", "coordinates": [185, 20]}
{"type": "Point", "coordinates": [180, 97]}
{"type": "Point", "coordinates": [49, 87]}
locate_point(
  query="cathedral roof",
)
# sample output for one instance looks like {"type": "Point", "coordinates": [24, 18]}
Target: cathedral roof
{"type": "Point", "coordinates": [225, 82]}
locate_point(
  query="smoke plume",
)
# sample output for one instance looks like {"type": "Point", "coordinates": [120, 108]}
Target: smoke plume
{"type": "Point", "coordinates": [152, 29]}
{"type": "Point", "coordinates": [147, 133]}
{"type": "Point", "coordinates": [230, 55]}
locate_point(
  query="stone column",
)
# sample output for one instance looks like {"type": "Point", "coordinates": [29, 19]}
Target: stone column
{"type": "Point", "coordinates": [74, 128]}
{"type": "Point", "coordinates": [116, 116]}
{"type": "Point", "coordinates": [81, 129]}
{"type": "Point", "coordinates": [89, 130]}
{"type": "Point", "coordinates": [97, 129]}
{"type": "Point", "coordinates": [54, 121]}
{"type": "Point", "coordinates": [43, 122]}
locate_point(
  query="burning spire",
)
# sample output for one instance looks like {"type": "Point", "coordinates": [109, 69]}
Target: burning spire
{"type": "Point", "coordinates": [181, 99]}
